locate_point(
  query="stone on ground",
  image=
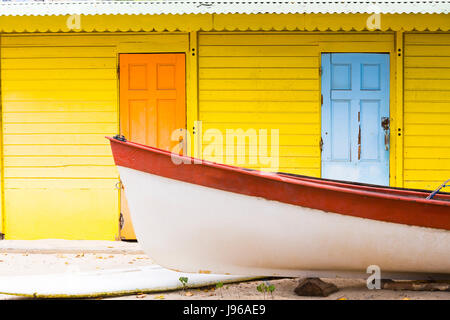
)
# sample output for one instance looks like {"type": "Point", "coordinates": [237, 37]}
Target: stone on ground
{"type": "Point", "coordinates": [314, 287]}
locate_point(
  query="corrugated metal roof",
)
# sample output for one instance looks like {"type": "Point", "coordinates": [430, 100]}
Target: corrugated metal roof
{"type": "Point", "coordinates": [218, 7]}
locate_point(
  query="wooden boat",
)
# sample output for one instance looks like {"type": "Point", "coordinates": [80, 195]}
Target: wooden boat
{"type": "Point", "coordinates": [198, 216]}
{"type": "Point", "coordinates": [364, 186]}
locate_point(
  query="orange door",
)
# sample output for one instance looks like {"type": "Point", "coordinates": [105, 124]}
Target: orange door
{"type": "Point", "coordinates": [152, 106]}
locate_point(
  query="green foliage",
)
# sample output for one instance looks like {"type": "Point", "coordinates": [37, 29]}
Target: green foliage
{"type": "Point", "coordinates": [266, 288]}
{"type": "Point", "coordinates": [218, 286]}
{"type": "Point", "coordinates": [184, 281]}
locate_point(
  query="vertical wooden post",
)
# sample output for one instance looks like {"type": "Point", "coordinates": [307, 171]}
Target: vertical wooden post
{"type": "Point", "coordinates": [192, 91]}
{"type": "Point", "coordinates": [2, 175]}
{"type": "Point", "coordinates": [397, 131]}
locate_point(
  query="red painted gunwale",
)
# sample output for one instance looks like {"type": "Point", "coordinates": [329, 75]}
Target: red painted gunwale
{"type": "Point", "coordinates": [362, 203]}
{"type": "Point", "coordinates": [388, 190]}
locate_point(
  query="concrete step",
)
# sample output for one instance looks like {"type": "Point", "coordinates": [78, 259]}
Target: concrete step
{"type": "Point", "coordinates": [69, 246]}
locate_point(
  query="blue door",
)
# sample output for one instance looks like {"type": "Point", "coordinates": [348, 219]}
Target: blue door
{"type": "Point", "coordinates": [355, 117]}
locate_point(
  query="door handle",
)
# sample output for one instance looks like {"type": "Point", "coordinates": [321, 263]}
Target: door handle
{"type": "Point", "coordinates": [385, 124]}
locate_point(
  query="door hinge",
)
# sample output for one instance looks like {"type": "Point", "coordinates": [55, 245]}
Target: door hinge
{"type": "Point", "coordinates": [321, 144]}
{"type": "Point", "coordinates": [321, 99]}
{"type": "Point", "coordinates": [121, 221]}
{"type": "Point", "coordinates": [320, 71]}
{"type": "Point", "coordinates": [118, 70]}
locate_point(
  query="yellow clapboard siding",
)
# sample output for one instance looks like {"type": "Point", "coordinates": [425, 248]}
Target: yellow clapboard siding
{"type": "Point", "coordinates": [258, 51]}
{"type": "Point", "coordinates": [261, 106]}
{"type": "Point", "coordinates": [57, 52]}
{"type": "Point", "coordinates": [428, 152]}
{"type": "Point", "coordinates": [91, 214]}
{"type": "Point", "coordinates": [157, 40]}
{"type": "Point", "coordinates": [427, 38]}
{"type": "Point", "coordinates": [59, 95]}
{"type": "Point", "coordinates": [259, 95]}
{"type": "Point", "coordinates": [357, 37]}
{"type": "Point", "coordinates": [424, 50]}
{"type": "Point", "coordinates": [66, 85]}
{"type": "Point", "coordinates": [428, 84]}
{"type": "Point", "coordinates": [424, 141]}
{"type": "Point", "coordinates": [283, 128]}
{"type": "Point", "coordinates": [427, 73]}
{"type": "Point", "coordinates": [302, 171]}
{"type": "Point", "coordinates": [425, 175]}
{"type": "Point", "coordinates": [292, 151]}
{"type": "Point", "coordinates": [286, 162]}
{"type": "Point", "coordinates": [425, 96]}
{"type": "Point", "coordinates": [427, 129]}
{"type": "Point", "coordinates": [65, 171]}
{"type": "Point", "coordinates": [416, 164]}
{"type": "Point", "coordinates": [254, 117]}
{"type": "Point", "coordinates": [258, 84]}
{"type": "Point", "coordinates": [424, 185]}
{"type": "Point", "coordinates": [58, 117]}
{"type": "Point", "coordinates": [57, 150]}
{"type": "Point", "coordinates": [59, 74]}
{"type": "Point", "coordinates": [34, 106]}
{"type": "Point", "coordinates": [277, 38]}
{"type": "Point", "coordinates": [55, 161]}
{"type": "Point", "coordinates": [425, 118]}
{"type": "Point", "coordinates": [426, 106]}
{"type": "Point", "coordinates": [360, 46]}
{"type": "Point", "coordinates": [427, 113]}
{"type": "Point", "coordinates": [59, 63]}
{"type": "Point", "coordinates": [105, 128]}
{"type": "Point", "coordinates": [260, 39]}
{"type": "Point", "coordinates": [64, 183]}
{"type": "Point", "coordinates": [260, 62]}
{"type": "Point", "coordinates": [258, 73]}
{"type": "Point", "coordinates": [299, 162]}
{"type": "Point", "coordinates": [20, 40]}
{"type": "Point", "coordinates": [284, 139]}
{"type": "Point", "coordinates": [54, 139]}
{"type": "Point", "coordinates": [427, 62]}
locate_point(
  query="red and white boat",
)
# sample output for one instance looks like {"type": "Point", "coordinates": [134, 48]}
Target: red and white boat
{"type": "Point", "coordinates": [198, 216]}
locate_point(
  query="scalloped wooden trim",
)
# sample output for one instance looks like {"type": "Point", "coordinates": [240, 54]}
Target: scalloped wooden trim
{"type": "Point", "coordinates": [225, 22]}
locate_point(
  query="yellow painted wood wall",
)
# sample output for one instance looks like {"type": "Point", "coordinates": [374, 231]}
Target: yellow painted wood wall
{"type": "Point", "coordinates": [426, 110]}
{"type": "Point", "coordinates": [271, 81]}
{"type": "Point", "coordinates": [59, 100]}
{"type": "Point", "coordinates": [267, 81]}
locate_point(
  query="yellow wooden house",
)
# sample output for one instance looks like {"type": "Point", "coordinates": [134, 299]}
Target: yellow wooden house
{"type": "Point", "coordinates": [358, 90]}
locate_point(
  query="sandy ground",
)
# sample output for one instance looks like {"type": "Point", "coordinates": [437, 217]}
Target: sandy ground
{"type": "Point", "coordinates": [35, 263]}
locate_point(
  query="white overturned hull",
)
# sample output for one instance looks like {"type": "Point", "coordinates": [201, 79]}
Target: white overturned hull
{"type": "Point", "coordinates": [192, 228]}
{"type": "Point", "coordinates": [102, 283]}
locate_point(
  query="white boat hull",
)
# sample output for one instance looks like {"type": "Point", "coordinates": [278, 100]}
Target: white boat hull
{"type": "Point", "coordinates": [191, 228]}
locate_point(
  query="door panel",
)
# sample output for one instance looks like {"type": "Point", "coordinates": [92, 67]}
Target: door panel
{"type": "Point", "coordinates": [152, 105]}
{"type": "Point", "coordinates": [355, 89]}
{"type": "Point", "coordinates": [340, 130]}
